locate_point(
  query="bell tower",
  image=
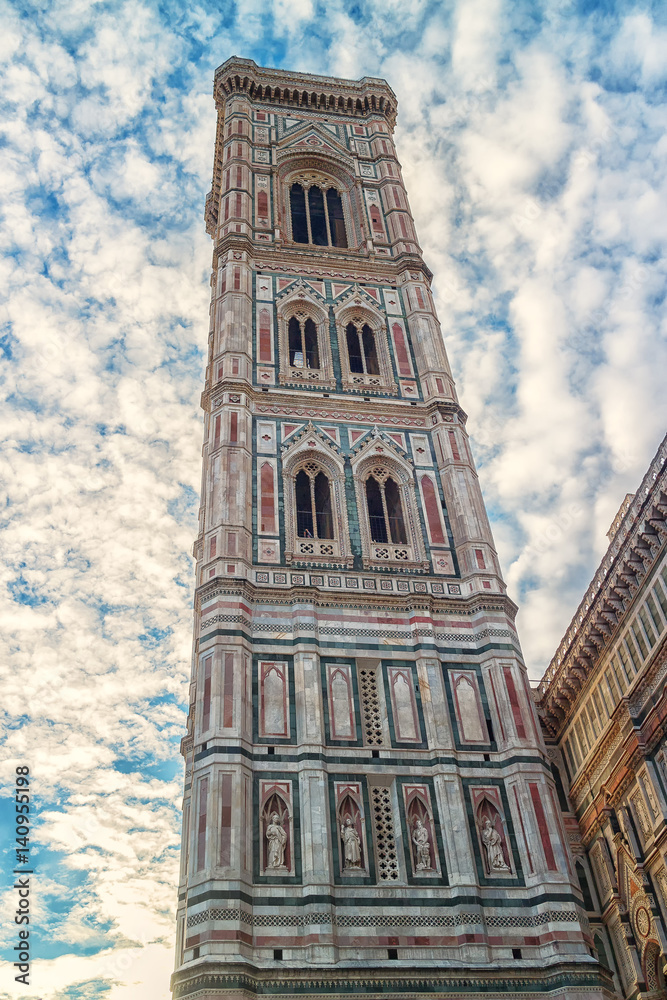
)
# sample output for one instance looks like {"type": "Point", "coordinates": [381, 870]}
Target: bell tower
{"type": "Point", "coordinates": [368, 803]}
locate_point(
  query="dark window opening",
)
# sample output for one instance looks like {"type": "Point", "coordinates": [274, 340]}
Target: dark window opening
{"type": "Point", "coordinates": [195, 952]}
{"type": "Point", "coordinates": [304, 510]}
{"type": "Point", "coordinates": [375, 511]}
{"type": "Point", "coordinates": [385, 511]}
{"type": "Point", "coordinates": [601, 951]}
{"type": "Point", "coordinates": [392, 954]}
{"type": "Point", "coordinates": [310, 343]}
{"type": "Point", "coordinates": [516, 952]}
{"type": "Point", "coordinates": [317, 218]}
{"type": "Point", "coordinates": [318, 222]}
{"type": "Point", "coordinates": [336, 219]}
{"type": "Point", "coordinates": [302, 344]}
{"type": "Point", "coordinates": [562, 798]}
{"type": "Point", "coordinates": [362, 350]}
{"type": "Point", "coordinates": [299, 219]}
{"type": "Point", "coordinates": [395, 512]}
{"type": "Point", "coordinates": [585, 888]}
{"type": "Point", "coordinates": [314, 512]}
{"type": "Point", "coordinates": [370, 352]}
{"type": "Point", "coordinates": [277, 954]}
{"type": "Point", "coordinates": [295, 345]}
{"type": "Point", "coordinates": [354, 354]}
{"type": "Point", "coordinates": [323, 511]}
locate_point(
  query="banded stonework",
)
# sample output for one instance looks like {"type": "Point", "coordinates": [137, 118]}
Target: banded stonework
{"type": "Point", "coordinates": [368, 804]}
{"type": "Point", "coordinates": [603, 706]}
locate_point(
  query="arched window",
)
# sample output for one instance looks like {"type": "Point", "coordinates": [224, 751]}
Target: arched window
{"type": "Point", "coordinates": [299, 219]}
{"type": "Point", "coordinates": [385, 510]}
{"type": "Point", "coordinates": [317, 216]}
{"type": "Point", "coordinates": [318, 222]}
{"type": "Point", "coordinates": [314, 516]}
{"type": "Point", "coordinates": [303, 349]}
{"type": "Point", "coordinates": [362, 350]}
{"type": "Point", "coordinates": [336, 219]}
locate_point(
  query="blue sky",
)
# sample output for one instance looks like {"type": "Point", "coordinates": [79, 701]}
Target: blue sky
{"type": "Point", "coordinates": [532, 138]}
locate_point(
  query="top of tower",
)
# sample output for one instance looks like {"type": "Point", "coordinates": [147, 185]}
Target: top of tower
{"type": "Point", "coordinates": [288, 89]}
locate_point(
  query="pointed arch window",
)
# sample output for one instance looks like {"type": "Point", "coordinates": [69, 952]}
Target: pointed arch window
{"type": "Point", "coordinates": [303, 348]}
{"type": "Point", "coordinates": [314, 514]}
{"type": "Point", "coordinates": [385, 510]}
{"type": "Point", "coordinates": [317, 216]}
{"type": "Point", "coordinates": [362, 350]}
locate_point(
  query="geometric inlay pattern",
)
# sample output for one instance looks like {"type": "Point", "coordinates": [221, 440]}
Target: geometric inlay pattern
{"type": "Point", "coordinates": [387, 858]}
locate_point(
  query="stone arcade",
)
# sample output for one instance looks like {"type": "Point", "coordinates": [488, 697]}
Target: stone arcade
{"type": "Point", "coordinates": [368, 805]}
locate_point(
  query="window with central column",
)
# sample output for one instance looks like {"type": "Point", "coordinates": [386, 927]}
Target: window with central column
{"type": "Point", "coordinates": [316, 527]}
{"type": "Point", "coordinates": [314, 516]}
{"type": "Point", "coordinates": [317, 215]}
{"type": "Point", "coordinates": [385, 510]}
{"type": "Point", "coordinates": [303, 349]}
{"type": "Point", "coordinates": [362, 350]}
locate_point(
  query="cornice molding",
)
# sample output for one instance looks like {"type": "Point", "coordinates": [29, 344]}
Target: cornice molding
{"type": "Point", "coordinates": [638, 540]}
{"type": "Point", "coordinates": [309, 91]}
{"type": "Point", "coordinates": [401, 603]}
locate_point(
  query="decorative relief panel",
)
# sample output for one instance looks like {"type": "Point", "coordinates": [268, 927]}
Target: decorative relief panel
{"type": "Point", "coordinates": [405, 718]}
{"type": "Point", "coordinates": [262, 201]}
{"type": "Point", "coordinates": [340, 692]}
{"type": "Point", "coordinates": [274, 698]}
{"type": "Point", "coordinates": [264, 288]}
{"type": "Point", "coordinates": [468, 709]}
{"type": "Point", "coordinates": [266, 437]}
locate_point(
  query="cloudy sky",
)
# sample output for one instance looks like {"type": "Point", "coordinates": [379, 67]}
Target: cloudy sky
{"type": "Point", "coordinates": [532, 136]}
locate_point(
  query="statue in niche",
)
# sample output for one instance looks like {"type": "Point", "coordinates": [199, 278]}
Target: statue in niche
{"type": "Point", "coordinates": [277, 839]}
{"type": "Point", "coordinates": [493, 845]}
{"type": "Point", "coordinates": [351, 844]}
{"type": "Point", "coordinates": [422, 847]}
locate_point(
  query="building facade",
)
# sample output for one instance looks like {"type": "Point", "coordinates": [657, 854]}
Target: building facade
{"type": "Point", "coordinates": [368, 801]}
{"type": "Point", "coordinates": [603, 705]}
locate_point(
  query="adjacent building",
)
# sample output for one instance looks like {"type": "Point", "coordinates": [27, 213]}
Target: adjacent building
{"type": "Point", "coordinates": [369, 805]}
{"type": "Point", "coordinates": [603, 705]}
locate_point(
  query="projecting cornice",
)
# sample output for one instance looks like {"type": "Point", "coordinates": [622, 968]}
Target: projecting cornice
{"type": "Point", "coordinates": [287, 89]}
{"type": "Point", "coordinates": [636, 542]}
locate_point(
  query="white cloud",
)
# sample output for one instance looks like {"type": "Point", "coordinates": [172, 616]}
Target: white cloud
{"type": "Point", "coordinates": [539, 197]}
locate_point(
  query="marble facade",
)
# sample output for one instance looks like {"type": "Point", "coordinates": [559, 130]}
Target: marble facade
{"type": "Point", "coordinates": [369, 804]}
